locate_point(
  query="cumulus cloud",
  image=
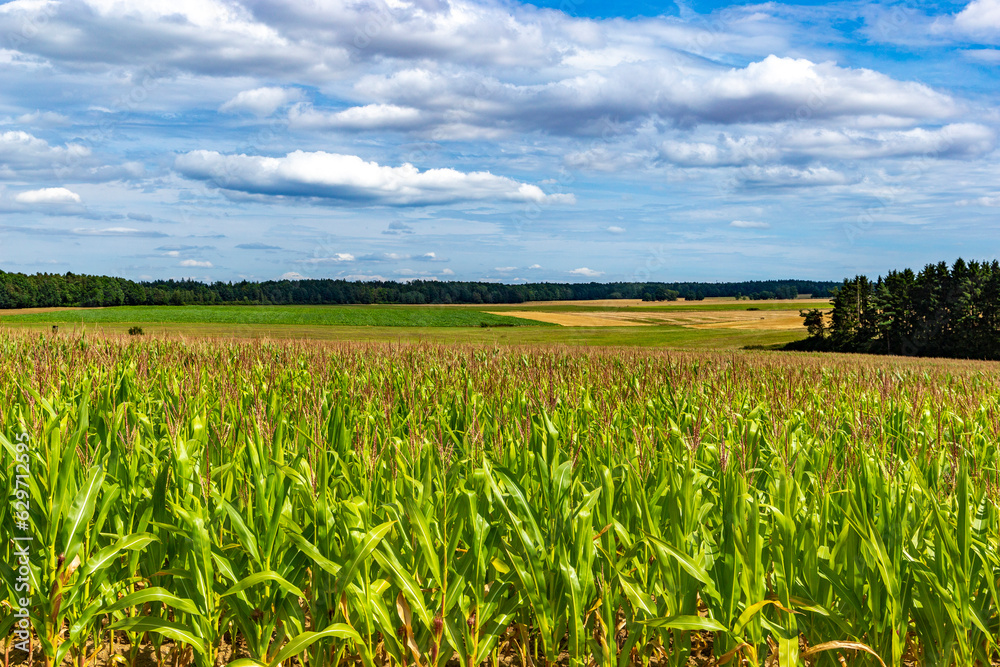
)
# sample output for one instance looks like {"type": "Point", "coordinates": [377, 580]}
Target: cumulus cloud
{"type": "Point", "coordinates": [475, 69]}
{"type": "Point", "coordinates": [48, 196]}
{"type": "Point", "coordinates": [777, 88]}
{"type": "Point", "coordinates": [333, 177]}
{"type": "Point", "coordinates": [771, 90]}
{"type": "Point", "coordinates": [980, 18]}
{"type": "Point", "coordinates": [749, 224]}
{"type": "Point", "coordinates": [615, 229]}
{"type": "Point", "coordinates": [617, 96]}
{"type": "Point", "coordinates": [192, 263]}
{"type": "Point", "coordinates": [21, 152]}
{"type": "Point", "coordinates": [584, 271]}
{"type": "Point", "coordinates": [261, 101]}
{"type": "Point", "coordinates": [24, 156]}
{"type": "Point", "coordinates": [212, 37]}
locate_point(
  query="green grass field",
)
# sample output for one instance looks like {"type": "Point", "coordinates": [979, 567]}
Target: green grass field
{"type": "Point", "coordinates": [375, 316]}
{"type": "Point", "coordinates": [655, 336]}
{"type": "Point", "coordinates": [430, 324]}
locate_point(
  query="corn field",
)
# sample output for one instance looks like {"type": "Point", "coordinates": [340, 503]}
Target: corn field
{"type": "Point", "coordinates": [250, 504]}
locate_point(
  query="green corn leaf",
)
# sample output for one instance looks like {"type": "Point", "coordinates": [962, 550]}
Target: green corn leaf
{"type": "Point", "coordinates": [303, 641]}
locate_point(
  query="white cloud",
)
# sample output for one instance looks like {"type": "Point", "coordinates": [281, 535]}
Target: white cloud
{"type": "Point", "coordinates": [980, 17]}
{"type": "Point", "coordinates": [584, 271]}
{"type": "Point", "coordinates": [774, 89]}
{"type": "Point", "coordinates": [365, 276]}
{"type": "Point", "coordinates": [117, 231]}
{"type": "Point", "coordinates": [332, 259]}
{"type": "Point", "coordinates": [610, 159]}
{"type": "Point", "coordinates": [956, 140]}
{"type": "Point", "coordinates": [728, 152]}
{"type": "Point", "coordinates": [24, 156]}
{"type": "Point", "coordinates": [48, 196]}
{"type": "Point", "coordinates": [191, 263]}
{"type": "Point", "coordinates": [778, 88]}
{"type": "Point", "coordinates": [350, 179]}
{"type": "Point", "coordinates": [980, 201]}
{"type": "Point", "coordinates": [475, 69]}
{"type": "Point", "coordinates": [796, 143]}
{"type": "Point", "coordinates": [43, 118]}
{"type": "Point", "coordinates": [615, 229]}
{"type": "Point", "coordinates": [368, 117]}
{"type": "Point", "coordinates": [291, 275]}
{"type": "Point", "coordinates": [447, 272]}
{"type": "Point", "coordinates": [991, 56]}
{"type": "Point", "coordinates": [749, 224]}
{"type": "Point", "coordinates": [784, 176]}
{"type": "Point", "coordinates": [534, 266]}
{"type": "Point", "coordinates": [203, 36]}
{"type": "Point", "coordinates": [21, 151]}
{"type": "Point", "coordinates": [505, 269]}
{"type": "Point", "coordinates": [261, 101]}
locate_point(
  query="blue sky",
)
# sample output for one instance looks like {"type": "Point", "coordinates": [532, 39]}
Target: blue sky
{"type": "Point", "coordinates": [567, 140]}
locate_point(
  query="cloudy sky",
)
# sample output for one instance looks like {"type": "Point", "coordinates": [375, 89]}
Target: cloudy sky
{"type": "Point", "coordinates": [570, 140]}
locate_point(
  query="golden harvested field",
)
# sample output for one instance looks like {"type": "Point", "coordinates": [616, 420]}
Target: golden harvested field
{"type": "Point", "coordinates": [679, 303]}
{"type": "Point", "coordinates": [584, 319]}
{"type": "Point", "coordinates": [770, 320]}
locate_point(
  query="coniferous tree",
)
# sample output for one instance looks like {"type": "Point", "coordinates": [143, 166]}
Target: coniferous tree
{"type": "Point", "coordinates": [941, 311]}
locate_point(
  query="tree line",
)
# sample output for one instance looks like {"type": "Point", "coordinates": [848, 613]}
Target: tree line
{"type": "Point", "coordinates": [18, 290]}
{"type": "Point", "coordinates": [940, 312]}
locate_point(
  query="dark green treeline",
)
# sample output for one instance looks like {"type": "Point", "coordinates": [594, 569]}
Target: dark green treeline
{"type": "Point", "coordinates": [939, 312]}
{"type": "Point", "coordinates": [18, 290]}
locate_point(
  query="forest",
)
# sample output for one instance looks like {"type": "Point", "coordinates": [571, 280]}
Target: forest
{"type": "Point", "coordinates": [938, 312]}
{"type": "Point", "coordinates": [18, 290]}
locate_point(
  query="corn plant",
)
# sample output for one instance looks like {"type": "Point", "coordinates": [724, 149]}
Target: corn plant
{"type": "Point", "coordinates": [259, 504]}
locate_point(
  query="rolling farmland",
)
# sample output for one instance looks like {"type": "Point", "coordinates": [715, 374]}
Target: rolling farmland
{"type": "Point", "coordinates": [264, 503]}
{"type": "Point", "coordinates": [711, 324]}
